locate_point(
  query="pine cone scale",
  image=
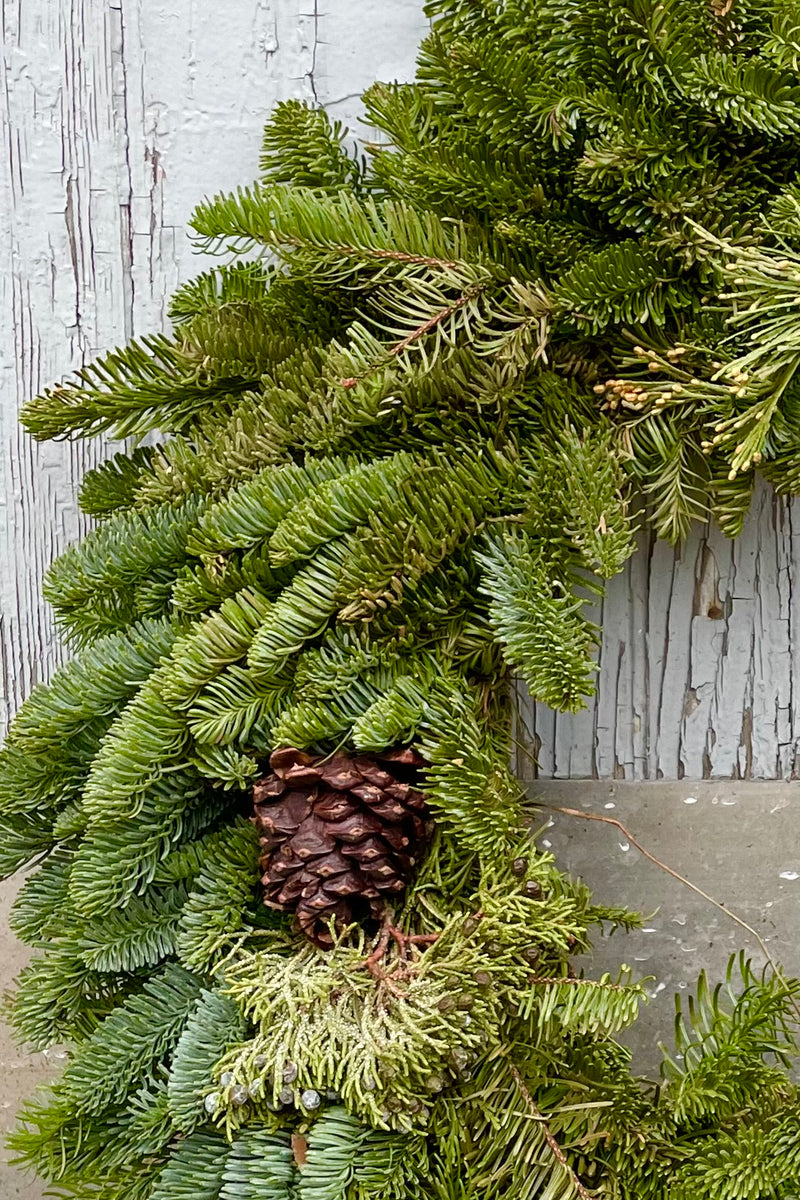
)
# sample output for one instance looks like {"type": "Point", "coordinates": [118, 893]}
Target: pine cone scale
{"type": "Point", "coordinates": [337, 835]}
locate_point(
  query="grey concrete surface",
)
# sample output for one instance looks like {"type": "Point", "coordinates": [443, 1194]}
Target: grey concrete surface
{"type": "Point", "coordinates": [739, 842]}
{"type": "Point", "coordinates": [19, 1072]}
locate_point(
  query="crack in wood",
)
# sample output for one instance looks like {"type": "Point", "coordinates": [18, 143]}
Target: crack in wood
{"type": "Point", "coordinates": [699, 660]}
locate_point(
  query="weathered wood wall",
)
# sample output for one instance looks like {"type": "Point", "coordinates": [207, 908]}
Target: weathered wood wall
{"type": "Point", "coordinates": [118, 116]}
{"type": "Point", "coordinates": [699, 667]}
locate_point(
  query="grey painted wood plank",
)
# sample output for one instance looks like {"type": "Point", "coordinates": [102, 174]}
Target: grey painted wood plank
{"type": "Point", "coordinates": [117, 118]}
{"type": "Point", "coordinates": [699, 659]}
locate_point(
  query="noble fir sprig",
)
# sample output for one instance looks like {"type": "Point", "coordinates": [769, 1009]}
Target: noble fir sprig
{"type": "Point", "coordinates": [396, 442]}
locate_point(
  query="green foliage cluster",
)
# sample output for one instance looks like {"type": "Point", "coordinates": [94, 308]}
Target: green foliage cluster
{"type": "Point", "coordinates": [399, 433]}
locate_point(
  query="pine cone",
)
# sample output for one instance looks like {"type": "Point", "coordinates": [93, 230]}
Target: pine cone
{"type": "Point", "coordinates": [340, 835]}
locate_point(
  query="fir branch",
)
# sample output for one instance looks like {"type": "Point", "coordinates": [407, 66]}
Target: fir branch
{"type": "Point", "coordinates": [556, 1150]}
{"type": "Point", "coordinates": [339, 235]}
{"type": "Point", "coordinates": [143, 935]}
{"type": "Point", "coordinates": [94, 683]}
{"type": "Point", "coordinates": [260, 1164]}
{"type": "Point", "coordinates": [196, 1169]}
{"type": "Point", "coordinates": [216, 916]}
{"type": "Point", "coordinates": [214, 1026]}
{"type": "Point", "coordinates": [538, 620]}
{"type": "Point", "coordinates": [253, 511]}
{"type": "Point", "coordinates": [122, 571]}
{"type": "Point", "coordinates": [129, 1042]}
{"type": "Point", "coordinates": [36, 911]}
{"type": "Point", "coordinates": [113, 484]}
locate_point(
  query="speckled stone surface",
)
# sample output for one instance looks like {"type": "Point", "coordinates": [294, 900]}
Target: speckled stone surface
{"type": "Point", "coordinates": [739, 842]}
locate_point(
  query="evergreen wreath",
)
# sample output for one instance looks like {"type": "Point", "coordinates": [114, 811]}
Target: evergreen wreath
{"type": "Point", "coordinates": [401, 430]}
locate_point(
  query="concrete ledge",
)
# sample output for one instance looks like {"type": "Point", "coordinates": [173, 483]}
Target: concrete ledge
{"type": "Point", "coordinates": [739, 842]}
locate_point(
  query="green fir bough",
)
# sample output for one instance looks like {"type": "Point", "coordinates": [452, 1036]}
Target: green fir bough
{"type": "Point", "coordinates": [398, 437]}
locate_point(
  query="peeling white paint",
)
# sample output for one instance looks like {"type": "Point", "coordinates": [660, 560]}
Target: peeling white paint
{"type": "Point", "coordinates": [699, 663]}
{"type": "Point", "coordinates": [118, 116]}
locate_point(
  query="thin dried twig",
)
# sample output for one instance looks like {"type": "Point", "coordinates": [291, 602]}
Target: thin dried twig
{"type": "Point", "coordinates": [698, 891]}
{"type": "Point", "coordinates": [617, 824]}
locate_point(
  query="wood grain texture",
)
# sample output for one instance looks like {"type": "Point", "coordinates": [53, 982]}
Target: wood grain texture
{"type": "Point", "coordinates": [118, 116]}
{"type": "Point", "coordinates": [699, 666]}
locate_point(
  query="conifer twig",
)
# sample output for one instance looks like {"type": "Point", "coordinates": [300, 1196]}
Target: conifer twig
{"type": "Point", "coordinates": [432, 322]}
{"type": "Point", "coordinates": [574, 981]}
{"type": "Point", "coordinates": [441, 264]}
{"type": "Point", "coordinates": [399, 256]}
{"type": "Point", "coordinates": [556, 1150]}
{"type": "Point", "coordinates": [416, 334]}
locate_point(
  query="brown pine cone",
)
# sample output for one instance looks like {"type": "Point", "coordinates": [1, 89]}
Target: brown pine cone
{"type": "Point", "coordinates": [340, 835]}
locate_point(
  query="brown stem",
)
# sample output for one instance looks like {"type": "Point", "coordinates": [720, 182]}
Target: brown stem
{"type": "Point", "coordinates": [431, 323]}
{"type": "Point", "coordinates": [416, 939]}
{"type": "Point", "coordinates": [440, 264]}
{"type": "Point", "coordinates": [372, 962]}
{"type": "Point", "coordinates": [299, 1149]}
{"type": "Point", "coordinates": [391, 932]}
{"type": "Point", "coordinates": [556, 1150]}
{"type": "Point", "coordinates": [422, 260]}
{"type": "Point", "coordinates": [415, 334]}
